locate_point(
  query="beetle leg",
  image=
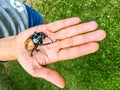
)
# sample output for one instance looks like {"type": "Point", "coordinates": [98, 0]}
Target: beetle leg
{"type": "Point", "coordinates": [41, 42]}
{"type": "Point", "coordinates": [35, 48]}
{"type": "Point", "coordinates": [50, 39]}
{"type": "Point", "coordinates": [32, 52]}
{"type": "Point", "coordinates": [45, 44]}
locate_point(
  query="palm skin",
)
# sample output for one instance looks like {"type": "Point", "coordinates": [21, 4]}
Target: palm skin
{"type": "Point", "coordinates": [71, 40]}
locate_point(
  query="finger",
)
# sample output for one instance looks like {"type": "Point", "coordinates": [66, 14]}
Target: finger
{"type": "Point", "coordinates": [74, 52]}
{"type": "Point", "coordinates": [75, 30]}
{"type": "Point", "coordinates": [81, 39]}
{"type": "Point", "coordinates": [50, 75]}
{"type": "Point", "coordinates": [60, 24]}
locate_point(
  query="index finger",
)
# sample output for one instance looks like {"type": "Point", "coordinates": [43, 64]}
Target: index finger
{"type": "Point", "coordinates": [60, 24]}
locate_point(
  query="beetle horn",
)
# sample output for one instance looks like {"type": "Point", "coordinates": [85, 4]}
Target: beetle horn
{"type": "Point", "coordinates": [35, 33]}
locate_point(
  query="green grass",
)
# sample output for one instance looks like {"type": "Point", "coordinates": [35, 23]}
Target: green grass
{"type": "Point", "coordinates": [98, 71]}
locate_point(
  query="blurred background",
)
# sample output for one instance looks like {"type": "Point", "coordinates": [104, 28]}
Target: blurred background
{"type": "Point", "coordinates": [98, 71]}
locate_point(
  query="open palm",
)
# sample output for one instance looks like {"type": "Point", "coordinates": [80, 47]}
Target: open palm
{"type": "Point", "coordinates": [71, 40]}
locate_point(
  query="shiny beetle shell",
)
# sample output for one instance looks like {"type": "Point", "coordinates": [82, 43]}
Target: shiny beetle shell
{"type": "Point", "coordinates": [35, 40]}
{"type": "Point", "coordinates": [29, 45]}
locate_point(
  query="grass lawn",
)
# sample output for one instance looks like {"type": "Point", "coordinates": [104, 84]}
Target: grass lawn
{"type": "Point", "coordinates": [98, 71]}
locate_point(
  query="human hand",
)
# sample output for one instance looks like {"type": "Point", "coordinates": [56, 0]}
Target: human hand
{"type": "Point", "coordinates": [72, 40]}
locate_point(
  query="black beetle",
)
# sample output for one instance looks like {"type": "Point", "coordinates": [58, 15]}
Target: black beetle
{"type": "Point", "coordinates": [37, 39]}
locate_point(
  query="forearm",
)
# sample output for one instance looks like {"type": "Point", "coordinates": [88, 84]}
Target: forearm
{"type": "Point", "coordinates": [7, 49]}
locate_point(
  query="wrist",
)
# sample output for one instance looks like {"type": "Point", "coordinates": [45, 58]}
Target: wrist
{"type": "Point", "coordinates": [8, 49]}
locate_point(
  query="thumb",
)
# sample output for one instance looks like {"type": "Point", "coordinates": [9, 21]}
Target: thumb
{"type": "Point", "coordinates": [51, 76]}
